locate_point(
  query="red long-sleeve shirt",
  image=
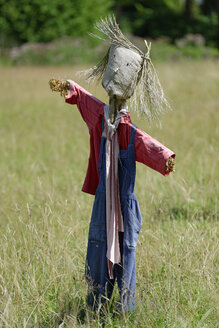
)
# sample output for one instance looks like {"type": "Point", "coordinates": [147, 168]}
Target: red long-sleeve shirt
{"type": "Point", "coordinates": [147, 150]}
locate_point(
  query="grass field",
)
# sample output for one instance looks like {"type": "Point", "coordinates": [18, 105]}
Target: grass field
{"type": "Point", "coordinates": [44, 216]}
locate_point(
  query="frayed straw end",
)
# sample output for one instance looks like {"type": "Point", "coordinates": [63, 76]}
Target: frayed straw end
{"type": "Point", "coordinates": [61, 86]}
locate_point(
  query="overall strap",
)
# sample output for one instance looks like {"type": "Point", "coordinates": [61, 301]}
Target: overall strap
{"type": "Point", "coordinates": [132, 135]}
{"type": "Point", "coordinates": [100, 161]}
{"type": "Point", "coordinates": [102, 123]}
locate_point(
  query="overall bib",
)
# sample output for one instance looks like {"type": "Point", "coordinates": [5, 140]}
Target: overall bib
{"type": "Point", "coordinates": [100, 286]}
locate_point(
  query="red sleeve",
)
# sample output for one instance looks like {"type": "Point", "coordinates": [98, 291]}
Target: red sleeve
{"type": "Point", "coordinates": [151, 152]}
{"type": "Point", "coordinates": [90, 107]}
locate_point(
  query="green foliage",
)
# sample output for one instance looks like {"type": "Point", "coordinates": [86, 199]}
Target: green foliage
{"type": "Point", "coordinates": [43, 20]}
{"type": "Point", "coordinates": [166, 20]}
{"type": "Point", "coordinates": [156, 18]}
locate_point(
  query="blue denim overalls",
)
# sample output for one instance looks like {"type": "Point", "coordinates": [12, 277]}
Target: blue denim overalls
{"type": "Point", "coordinates": [100, 287]}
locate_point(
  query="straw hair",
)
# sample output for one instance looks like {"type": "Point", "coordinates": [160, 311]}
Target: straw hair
{"type": "Point", "coordinates": [148, 98]}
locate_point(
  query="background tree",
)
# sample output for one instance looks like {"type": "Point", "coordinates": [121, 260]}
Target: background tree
{"type": "Point", "coordinates": [43, 20]}
{"type": "Point", "coordinates": [190, 10]}
{"type": "Point", "coordinates": [210, 8]}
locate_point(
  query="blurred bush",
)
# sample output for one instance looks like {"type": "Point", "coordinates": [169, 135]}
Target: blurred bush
{"type": "Point", "coordinates": [80, 51]}
{"type": "Point", "coordinates": [65, 51]}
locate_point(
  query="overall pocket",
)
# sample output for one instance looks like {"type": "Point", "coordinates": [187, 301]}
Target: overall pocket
{"type": "Point", "coordinates": [132, 222]}
{"type": "Point", "coordinates": [97, 233]}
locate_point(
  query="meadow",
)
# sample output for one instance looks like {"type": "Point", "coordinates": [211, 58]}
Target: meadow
{"type": "Point", "coordinates": [44, 216]}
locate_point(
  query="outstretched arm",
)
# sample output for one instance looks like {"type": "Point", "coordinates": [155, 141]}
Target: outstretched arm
{"type": "Point", "coordinates": [152, 153]}
{"type": "Point", "coordinates": [90, 107]}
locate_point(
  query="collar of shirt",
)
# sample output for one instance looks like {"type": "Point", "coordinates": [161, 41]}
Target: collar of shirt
{"type": "Point", "coordinates": [110, 128]}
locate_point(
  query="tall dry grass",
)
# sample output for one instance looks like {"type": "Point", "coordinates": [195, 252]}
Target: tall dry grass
{"type": "Point", "coordinates": [44, 217]}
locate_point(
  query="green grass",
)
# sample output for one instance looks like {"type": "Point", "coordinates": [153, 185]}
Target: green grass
{"type": "Point", "coordinates": [44, 217]}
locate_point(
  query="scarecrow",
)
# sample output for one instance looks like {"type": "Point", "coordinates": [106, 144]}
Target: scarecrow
{"type": "Point", "coordinates": [115, 146]}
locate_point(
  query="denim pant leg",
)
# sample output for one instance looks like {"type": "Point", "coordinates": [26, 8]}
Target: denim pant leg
{"type": "Point", "coordinates": [129, 279]}
{"type": "Point", "coordinates": [96, 273]}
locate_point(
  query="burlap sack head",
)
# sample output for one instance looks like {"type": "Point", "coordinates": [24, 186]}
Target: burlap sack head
{"type": "Point", "coordinates": [126, 72]}
{"type": "Point", "coordinates": [122, 72]}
